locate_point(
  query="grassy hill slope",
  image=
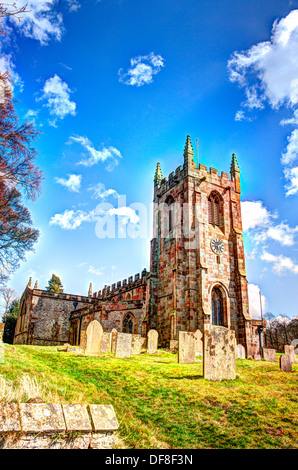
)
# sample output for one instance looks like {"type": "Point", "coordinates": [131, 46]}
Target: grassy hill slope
{"type": "Point", "coordinates": [160, 403]}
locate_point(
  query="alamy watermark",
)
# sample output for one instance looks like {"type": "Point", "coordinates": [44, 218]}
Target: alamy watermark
{"type": "Point", "coordinates": [134, 221]}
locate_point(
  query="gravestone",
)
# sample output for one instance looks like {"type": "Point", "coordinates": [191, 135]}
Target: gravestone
{"type": "Point", "coordinates": [257, 357]}
{"type": "Point", "coordinates": [285, 363]}
{"type": "Point", "coordinates": [94, 334]}
{"type": "Point", "coordinates": [269, 354]}
{"type": "Point", "coordinates": [186, 347]}
{"type": "Point", "coordinates": [106, 342]}
{"type": "Point", "coordinates": [199, 343]}
{"type": "Point", "coordinates": [290, 350]}
{"type": "Point", "coordinates": [114, 333]}
{"type": "Point", "coordinates": [152, 341]}
{"type": "Point", "coordinates": [173, 345]}
{"type": "Point", "coordinates": [295, 344]}
{"type": "Point", "coordinates": [123, 345]}
{"type": "Point", "coordinates": [136, 344]}
{"type": "Point", "coordinates": [240, 351]}
{"type": "Point", "coordinates": [219, 354]}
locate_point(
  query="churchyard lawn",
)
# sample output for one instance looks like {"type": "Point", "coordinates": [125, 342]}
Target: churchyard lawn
{"type": "Point", "coordinates": [159, 403]}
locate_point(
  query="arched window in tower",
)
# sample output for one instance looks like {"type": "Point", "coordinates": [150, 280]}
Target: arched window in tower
{"type": "Point", "coordinates": [169, 222]}
{"type": "Point", "coordinates": [217, 307]}
{"type": "Point", "coordinates": [213, 209]}
{"type": "Point", "coordinates": [128, 323]}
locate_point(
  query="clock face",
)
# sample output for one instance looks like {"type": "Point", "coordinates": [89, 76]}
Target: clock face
{"type": "Point", "coordinates": [217, 246]}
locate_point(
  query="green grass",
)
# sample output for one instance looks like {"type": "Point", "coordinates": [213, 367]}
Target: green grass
{"type": "Point", "coordinates": [160, 403]}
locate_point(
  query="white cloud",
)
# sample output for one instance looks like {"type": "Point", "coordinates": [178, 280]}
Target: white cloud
{"type": "Point", "coordinates": [95, 271]}
{"type": "Point", "coordinates": [57, 93]}
{"type": "Point", "coordinates": [292, 148]}
{"type": "Point", "coordinates": [258, 221]}
{"type": "Point", "coordinates": [142, 69]}
{"type": "Point", "coordinates": [127, 213]}
{"type": "Point", "coordinates": [40, 21]}
{"type": "Point", "coordinates": [71, 219]}
{"type": "Point", "coordinates": [268, 71]}
{"type": "Point", "coordinates": [280, 263]}
{"type": "Point", "coordinates": [292, 186]}
{"type": "Point", "coordinates": [255, 299]}
{"type": "Point", "coordinates": [282, 233]}
{"type": "Point", "coordinates": [240, 116]}
{"type": "Point", "coordinates": [110, 154]}
{"type": "Point", "coordinates": [73, 183]}
{"type": "Point", "coordinates": [273, 63]}
{"type": "Point", "coordinates": [99, 191]}
{"type": "Point", "coordinates": [254, 214]}
{"type": "Point", "coordinates": [73, 5]}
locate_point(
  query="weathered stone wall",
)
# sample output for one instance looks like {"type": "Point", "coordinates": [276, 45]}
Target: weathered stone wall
{"type": "Point", "coordinates": [110, 315]}
{"type": "Point", "coordinates": [46, 317]}
{"type": "Point", "coordinates": [56, 426]}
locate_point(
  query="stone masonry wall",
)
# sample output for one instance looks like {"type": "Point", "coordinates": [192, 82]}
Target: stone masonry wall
{"type": "Point", "coordinates": [46, 317]}
{"type": "Point", "coordinates": [56, 426]}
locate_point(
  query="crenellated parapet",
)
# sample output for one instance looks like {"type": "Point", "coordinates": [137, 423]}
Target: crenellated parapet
{"type": "Point", "coordinates": [122, 286]}
{"type": "Point", "coordinates": [200, 173]}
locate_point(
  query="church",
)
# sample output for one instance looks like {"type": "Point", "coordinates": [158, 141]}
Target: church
{"type": "Point", "coordinates": [197, 276]}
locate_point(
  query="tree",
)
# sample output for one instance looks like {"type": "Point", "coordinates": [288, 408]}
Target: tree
{"type": "Point", "coordinates": [11, 9]}
{"type": "Point", "coordinates": [17, 173]}
{"type": "Point", "coordinates": [8, 295]}
{"type": "Point", "coordinates": [11, 321]}
{"type": "Point", "coordinates": [55, 284]}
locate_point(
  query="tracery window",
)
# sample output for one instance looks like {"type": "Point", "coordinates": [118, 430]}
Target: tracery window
{"type": "Point", "coordinates": [217, 307]}
{"type": "Point", "coordinates": [128, 323]}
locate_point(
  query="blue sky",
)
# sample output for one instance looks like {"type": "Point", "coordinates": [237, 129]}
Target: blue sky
{"type": "Point", "coordinates": [115, 86]}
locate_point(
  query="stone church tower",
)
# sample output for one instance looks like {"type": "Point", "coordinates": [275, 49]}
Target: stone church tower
{"type": "Point", "coordinates": [197, 272]}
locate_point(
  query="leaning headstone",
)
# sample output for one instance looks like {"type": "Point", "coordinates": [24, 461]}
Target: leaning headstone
{"type": "Point", "coordinates": [257, 357]}
{"type": "Point", "coordinates": [199, 343]}
{"type": "Point", "coordinates": [285, 363]}
{"type": "Point", "coordinates": [269, 354]}
{"type": "Point", "coordinates": [94, 334]}
{"type": "Point", "coordinates": [114, 333]}
{"type": "Point", "coordinates": [186, 347]}
{"type": "Point", "coordinates": [240, 351]}
{"type": "Point", "coordinates": [152, 341]}
{"type": "Point", "coordinates": [290, 350]}
{"type": "Point", "coordinates": [136, 344]}
{"type": "Point", "coordinates": [106, 342]}
{"type": "Point", "coordinates": [123, 345]}
{"type": "Point", "coordinates": [219, 355]}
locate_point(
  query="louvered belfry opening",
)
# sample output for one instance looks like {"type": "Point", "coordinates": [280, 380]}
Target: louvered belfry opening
{"type": "Point", "coordinates": [213, 209]}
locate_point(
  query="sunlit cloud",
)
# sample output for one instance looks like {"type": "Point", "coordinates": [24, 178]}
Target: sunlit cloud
{"type": "Point", "coordinates": [142, 69]}
{"type": "Point", "coordinates": [72, 183]}
{"type": "Point", "coordinates": [56, 94]}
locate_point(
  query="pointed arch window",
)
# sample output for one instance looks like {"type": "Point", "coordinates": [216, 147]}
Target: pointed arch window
{"type": "Point", "coordinates": [169, 214]}
{"type": "Point", "coordinates": [213, 209]}
{"type": "Point", "coordinates": [217, 307]}
{"type": "Point", "coordinates": [128, 323]}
